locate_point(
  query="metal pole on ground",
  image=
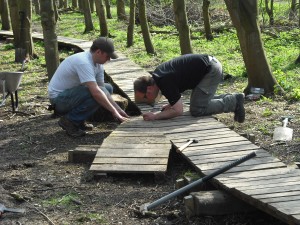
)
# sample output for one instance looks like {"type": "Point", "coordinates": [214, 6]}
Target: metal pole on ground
{"type": "Point", "coordinates": [148, 206]}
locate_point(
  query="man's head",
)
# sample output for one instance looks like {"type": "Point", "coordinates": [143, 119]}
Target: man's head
{"type": "Point", "coordinates": [105, 48]}
{"type": "Point", "coordinates": [145, 90]}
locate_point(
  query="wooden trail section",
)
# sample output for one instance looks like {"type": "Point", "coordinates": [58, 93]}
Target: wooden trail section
{"type": "Point", "coordinates": [143, 147]}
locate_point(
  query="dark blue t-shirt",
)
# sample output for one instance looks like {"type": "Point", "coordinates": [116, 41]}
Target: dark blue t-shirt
{"type": "Point", "coordinates": [179, 74]}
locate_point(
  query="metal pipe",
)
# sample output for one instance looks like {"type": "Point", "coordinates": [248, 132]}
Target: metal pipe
{"type": "Point", "coordinates": [156, 203]}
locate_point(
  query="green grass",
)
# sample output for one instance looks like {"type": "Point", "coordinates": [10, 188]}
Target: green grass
{"type": "Point", "coordinates": [281, 51]}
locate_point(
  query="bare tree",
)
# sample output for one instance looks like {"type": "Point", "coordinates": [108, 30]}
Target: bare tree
{"type": "Point", "coordinates": [15, 23]}
{"type": "Point", "coordinates": [145, 27]}
{"type": "Point", "coordinates": [50, 38]}
{"type": "Point", "coordinates": [87, 16]}
{"type": "Point", "coordinates": [65, 4]}
{"type": "Point", "coordinates": [4, 15]}
{"type": "Point", "coordinates": [25, 14]}
{"type": "Point", "coordinates": [107, 6]}
{"type": "Point", "coordinates": [92, 5]}
{"type": "Point", "coordinates": [244, 14]}
{"type": "Point", "coordinates": [130, 29]}
{"type": "Point", "coordinates": [74, 4]}
{"type": "Point", "coordinates": [293, 10]}
{"type": "Point", "coordinates": [102, 19]}
{"type": "Point", "coordinates": [121, 10]}
{"type": "Point", "coordinates": [36, 4]}
{"type": "Point", "coordinates": [269, 4]}
{"type": "Point", "coordinates": [206, 19]}
{"type": "Point", "coordinates": [182, 26]}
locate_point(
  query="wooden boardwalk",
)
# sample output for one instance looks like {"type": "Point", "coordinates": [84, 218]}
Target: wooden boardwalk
{"type": "Point", "coordinates": [144, 146]}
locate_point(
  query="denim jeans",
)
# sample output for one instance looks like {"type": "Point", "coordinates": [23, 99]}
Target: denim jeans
{"type": "Point", "coordinates": [77, 103]}
{"type": "Point", "coordinates": [203, 100]}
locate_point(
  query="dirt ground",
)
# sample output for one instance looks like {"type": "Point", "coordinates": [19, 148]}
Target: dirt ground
{"type": "Point", "coordinates": [36, 175]}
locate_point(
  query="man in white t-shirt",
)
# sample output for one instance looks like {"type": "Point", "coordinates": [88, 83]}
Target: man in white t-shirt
{"type": "Point", "coordinates": [77, 88]}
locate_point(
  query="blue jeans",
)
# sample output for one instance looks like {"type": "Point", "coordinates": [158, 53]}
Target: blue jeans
{"type": "Point", "coordinates": [77, 103]}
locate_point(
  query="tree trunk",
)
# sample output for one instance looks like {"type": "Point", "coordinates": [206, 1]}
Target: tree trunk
{"type": "Point", "coordinates": [74, 4]}
{"type": "Point", "coordinates": [56, 11]}
{"type": "Point", "coordinates": [121, 10]}
{"type": "Point", "coordinates": [130, 30]}
{"type": "Point", "coordinates": [25, 14]}
{"type": "Point", "coordinates": [65, 4]}
{"type": "Point", "coordinates": [36, 6]}
{"type": "Point", "coordinates": [60, 4]}
{"type": "Point", "coordinates": [270, 11]}
{"type": "Point", "coordinates": [87, 16]}
{"type": "Point", "coordinates": [107, 6]}
{"type": "Point", "coordinates": [182, 26]}
{"type": "Point", "coordinates": [298, 59]}
{"type": "Point", "coordinates": [244, 14]}
{"type": "Point", "coordinates": [102, 19]}
{"type": "Point", "coordinates": [92, 5]}
{"type": "Point", "coordinates": [50, 39]}
{"type": "Point", "coordinates": [4, 15]}
{"type": "Point", "coordinates": [15, 22]}
{"type": "Point", "coordinates": [206, 19]}
{"type": "Point", "coordinates": [293, 10]}
{"type": "Point", "coordinates": [145, 27]}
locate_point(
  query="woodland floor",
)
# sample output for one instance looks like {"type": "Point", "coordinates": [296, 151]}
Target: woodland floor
{"type": "Point", "coordinates": [34, 167]}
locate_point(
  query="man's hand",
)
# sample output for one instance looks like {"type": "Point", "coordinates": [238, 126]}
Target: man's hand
{"type": "Point", "coordinates": [168, 112]}
{"type": "Point", "coordinates": [123, 113]}
{"type": "Point", "coordinates": [120, 118]}
{"type": "Point", "coordinates": [149, 116]}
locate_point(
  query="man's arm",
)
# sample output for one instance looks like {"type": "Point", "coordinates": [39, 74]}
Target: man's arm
{"type": "Point", "coordinates": [167, 113]}
{"type": "Point", "coordinates": [117, 107]}
{"type": "Point", "coordinates": [103, 100]}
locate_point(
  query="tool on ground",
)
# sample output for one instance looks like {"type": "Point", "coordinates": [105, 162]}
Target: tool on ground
{"type": "Point", "coordinates": [185, 145]}
{"type": "Point", "coordinates": [283, 133]}
{"type": "Point", "coordinates": [148, 206]}
{"type": "Point", "coordinates": [3, 209]}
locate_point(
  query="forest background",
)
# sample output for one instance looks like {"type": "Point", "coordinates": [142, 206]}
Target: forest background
{"type": "Point", "coordinates": [27, 146]}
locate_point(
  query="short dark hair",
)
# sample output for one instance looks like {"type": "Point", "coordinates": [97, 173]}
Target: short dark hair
{"type": "Point", "coordinates": [141, 83]}
{"type": "Point", "coordinates": [105, 44]}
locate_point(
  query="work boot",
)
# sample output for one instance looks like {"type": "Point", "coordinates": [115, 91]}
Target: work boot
{"type": "Point", "coordinates": [239, 112]}
{"type": "Point", "coordinates": [71, 129]}
{"type": "Point", "coordinates": [86, 126]}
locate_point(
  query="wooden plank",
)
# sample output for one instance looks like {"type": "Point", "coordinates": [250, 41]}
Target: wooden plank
{"type": "Point", "coordinates": [278, 189]}
{"type": "Point", "coordinates": [195, 146]}
{"type": "Point", "coordinates": [287, 207]}
{"type": "Point", "coordinates": [129, 152]}
{"type": "Point", "coordinates": [182, 140]}
{"type": "Point", "coordinates": [226, 157]}
{"type": "Point", "coordinates": [116, 146]}
{"type": "Point", "coordinates": [282, 199]}
{"type": "Point", "coordinates": [258, 173]}
{"type": "Point", "coordinates": [241, 168]}
{"type": "Point", "coordinates": [256, 186]}
{"type": "Point", "coordinates": [128, 168]}
{"type": "Point", "coordinates": [276, 195]}
{"type": "Point", "coordinates": [219, 146]}
{"type": "Point", "coordinates": [116, 141]}
{"type": "Point", "coordinates": [135, 161]}
{"type": "Point", "coordinates": [201, 134]}
{"type": "Point", "coordinates": [275, 178]}
{"type": "Point", "coordinates": [183, 124]}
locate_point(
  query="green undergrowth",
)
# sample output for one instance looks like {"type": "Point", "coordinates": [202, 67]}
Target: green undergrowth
{"type": "Point", "coordinates": [282, 49]}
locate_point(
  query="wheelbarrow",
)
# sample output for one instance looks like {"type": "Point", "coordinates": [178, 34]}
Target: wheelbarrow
{"type": "Point", "coordinates": [9, 84]}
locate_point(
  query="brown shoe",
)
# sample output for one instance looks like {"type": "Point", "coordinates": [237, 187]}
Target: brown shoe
{"type": "Point", "coordinates": [86, 126]}
{"type": "Point", "coordinates": [71, 129]}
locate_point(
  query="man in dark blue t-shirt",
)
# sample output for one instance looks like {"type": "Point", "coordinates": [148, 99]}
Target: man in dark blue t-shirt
{"type": "Point", "coordinates": [197, 72]}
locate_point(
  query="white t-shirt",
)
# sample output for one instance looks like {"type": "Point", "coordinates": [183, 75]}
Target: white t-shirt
{"type": "Point", "coordinates": [73, 71]}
